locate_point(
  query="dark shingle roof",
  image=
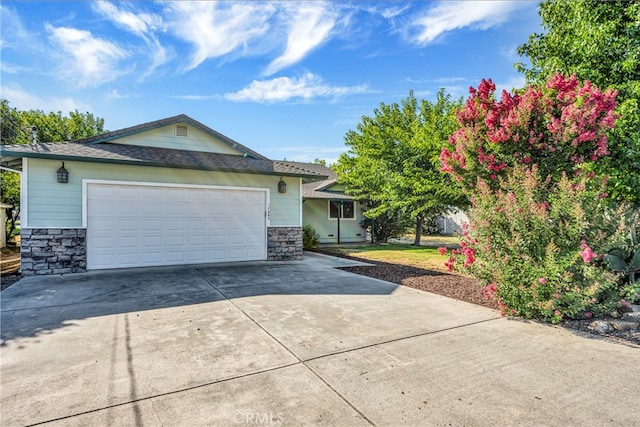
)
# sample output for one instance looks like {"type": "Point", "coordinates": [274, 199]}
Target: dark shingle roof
{"type": "Point", "coordinates": [181, 118]}
{"type": "Point", "coordinates": [159, 157]}
{"type": "Point", "coordinates": [318, 189]}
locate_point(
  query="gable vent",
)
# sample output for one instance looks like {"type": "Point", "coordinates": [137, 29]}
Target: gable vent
{"type": "Point", "coordinates": [181, 130]}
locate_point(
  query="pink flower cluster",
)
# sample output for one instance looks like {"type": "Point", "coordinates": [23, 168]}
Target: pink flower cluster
{"type": "Point", "coordinates": [489, 290]}
{"type": "Point", "coordinates": [586, 253]}
{"type": "Point", "coordinates": [466, 249]}
{"type": "Point", "coordinates": [564, 120]}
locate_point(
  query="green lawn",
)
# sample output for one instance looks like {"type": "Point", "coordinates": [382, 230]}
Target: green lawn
{"type": "Point", "coordinates": [422, 257]}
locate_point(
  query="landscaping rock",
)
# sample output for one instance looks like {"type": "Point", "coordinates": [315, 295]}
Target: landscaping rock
{"type": "Point", "coordinates": [632, 317]}
{"type": "Point", "coordinates": [601, 327]}
{"type": "Point", "coordinates": [621, 325]}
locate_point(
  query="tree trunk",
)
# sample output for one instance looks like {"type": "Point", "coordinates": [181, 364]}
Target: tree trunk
{"type": "Point", "coordinates": [419, 221]}
{"type": "Point", "coordinates": [11, 219]}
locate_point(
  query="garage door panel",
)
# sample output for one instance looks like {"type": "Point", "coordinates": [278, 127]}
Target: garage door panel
{"type": "Point", "coordinates": [173, 225]}
{"type": "Point", "coordinates": [152, 225]}
{"type": "Point", "coordinates": [137, 225]}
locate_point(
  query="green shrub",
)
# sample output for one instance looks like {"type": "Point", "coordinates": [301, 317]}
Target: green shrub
{"type": "Point", "coordinates": [310, 237]}
{"type": "Point", "coordinates": [538, 246]}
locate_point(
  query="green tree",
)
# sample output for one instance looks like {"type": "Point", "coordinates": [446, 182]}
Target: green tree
{"type": "Point", "coordinates": [597, 41]}
{"type": "Point", "coordinates": [393, 160]}
{"type": "Point", "coordinates": [51, 127]}
{"type": "Point", "coordinates": [16, 128]}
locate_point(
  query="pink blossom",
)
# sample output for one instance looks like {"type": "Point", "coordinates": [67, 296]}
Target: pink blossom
{"type": "Point", "coordinates": [542, 281]}
{"type": "Point", "coordinates": [625, 303]}
{"type": "Point", "coordinates": [588, 314]}
{"type": "Point", "coordinates": [442, 250]}
{"type": "Point", "coordinates": [449, 264]}
{"type": "Point", "coordinates": [489, 290]}
{"type": "Point", "coordinates": [586, 253]}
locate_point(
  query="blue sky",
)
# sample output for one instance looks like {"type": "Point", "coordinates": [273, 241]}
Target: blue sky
{"type": "Point", "coordinates": [287, 79]}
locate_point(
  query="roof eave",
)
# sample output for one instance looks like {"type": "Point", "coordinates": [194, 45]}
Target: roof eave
{"type": "Point", "coordinates": [64, 157]}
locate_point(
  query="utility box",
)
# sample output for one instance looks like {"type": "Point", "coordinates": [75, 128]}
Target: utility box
{"type": "Point", "coordinates": [3, 229]}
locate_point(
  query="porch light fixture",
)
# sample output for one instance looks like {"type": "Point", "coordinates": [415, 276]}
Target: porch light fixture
{"type": "Point", "coordinates": [282, 186]}
{"type": "Point", "coordinates": [63, 175]}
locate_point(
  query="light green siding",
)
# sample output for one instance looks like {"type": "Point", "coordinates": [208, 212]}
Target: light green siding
{"type": "Point", "coordinates": [165, 137]}
{"type": "Point", "coordinates": [338, 188]}
{"type": "Point", "coordinates": [51, 204]}
{"type": "Point", "coordinates": [316, 213]}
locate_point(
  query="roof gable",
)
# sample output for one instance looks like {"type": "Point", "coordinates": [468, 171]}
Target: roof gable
{"type": "Point", "coordinates": [178, 132]}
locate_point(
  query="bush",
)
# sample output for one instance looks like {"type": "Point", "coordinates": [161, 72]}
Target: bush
{"type": "Point", "coordinates": [540, 224]}
{"type": "Point", "coordinates": [310, 237]}
{"type": "Point", "coordinates": [387, 225]}
{"type": "Point", "coordinates": [538, 246]}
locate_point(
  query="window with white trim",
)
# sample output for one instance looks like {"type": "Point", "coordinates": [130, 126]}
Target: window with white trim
{"type": "Point", "coordinates": [345, 208]}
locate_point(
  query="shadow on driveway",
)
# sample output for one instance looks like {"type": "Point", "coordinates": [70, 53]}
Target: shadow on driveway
{"type": "Point", "coordinates": [41, 305]}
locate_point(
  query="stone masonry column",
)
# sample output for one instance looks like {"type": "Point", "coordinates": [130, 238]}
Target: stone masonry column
{"type": "Point", "coordinates": [284, 243]}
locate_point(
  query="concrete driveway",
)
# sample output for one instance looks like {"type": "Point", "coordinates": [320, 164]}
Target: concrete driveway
{"type": "Point", "coordinates": [298, 343]}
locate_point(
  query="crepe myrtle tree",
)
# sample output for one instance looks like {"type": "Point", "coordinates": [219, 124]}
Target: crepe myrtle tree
{"type": "Point", "coordinates": [560, 127]}
{"type": "Point", "coordinates": [540, 223]}
{"type": "Point", "coordinates": [598, 41]}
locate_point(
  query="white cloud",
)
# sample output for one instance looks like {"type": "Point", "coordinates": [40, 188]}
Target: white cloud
{"type": "Point", "coordinates": [89, 61]}
{"type": "Point", "coordinates": [283, 89]}
{"type": "Point", "coordinates": [144, 25]}
{"type": "Point", "coordinates": [198, 97]}
{"type": "Point", "coordinates": [13, 31]}
{"type": "Point", "coordinates": [392, 12]}
{"type": "Point", "coordinates": [516, 82]}
{"type": "Point", "coordinates": [136, 23]}
{"type": "Point", "coordinates": [217, 29]}
{"type": "Point", "coordinates": [309, 25]}
{"type": "Point", "coordinates": [20, 99]}
{"type": "Point", "coordinates": [449, 16]}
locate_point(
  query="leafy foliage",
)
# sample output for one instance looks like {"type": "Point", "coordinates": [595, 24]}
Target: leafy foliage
{"type": "Point", "coordinates": [538, 246]}
{"type": "Point", "coordinates": [310, 237]}
{"type": "Point", "coordinates": [539, 226]}
{"type": "Point", "coordinates": [51, 127]}
{"type": "Point", "coordinates": [386, 225]}
{"type": "Point", "coordinates": [597, 41]}
{"type": "Point", "coordinates": [393, 159]}
{"type": "Point", "coordinates": [559, 127]}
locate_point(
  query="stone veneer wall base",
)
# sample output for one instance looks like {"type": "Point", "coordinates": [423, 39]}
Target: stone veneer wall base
{"type": "Point", "coordinates": [53, 251]}
{"type": "Point", "coordinates": [284, 243]}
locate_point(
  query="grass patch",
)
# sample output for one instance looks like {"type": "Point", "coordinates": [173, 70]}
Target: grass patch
{"type": "Point", "coordinates": [431, 241]}
{"type": "Point", "coordinates": [421, 257]}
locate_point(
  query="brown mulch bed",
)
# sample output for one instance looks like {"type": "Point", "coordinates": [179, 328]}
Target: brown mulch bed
{"type": "Point", "coordinates": [9, 266]}
{"type": "Point", "coordinates": [449, 285]}
{"type": "Point", "coordinates": [459, 287]}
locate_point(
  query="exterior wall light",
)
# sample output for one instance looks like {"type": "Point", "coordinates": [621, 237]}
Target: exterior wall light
{"type": "Point", "coordinates": [282, 186]}
{"type": "Point", "coordinates": [63, 175]}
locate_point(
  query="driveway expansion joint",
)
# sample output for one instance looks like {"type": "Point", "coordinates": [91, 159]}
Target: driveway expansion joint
{"type": "Point", "coordinates": [301, 361]}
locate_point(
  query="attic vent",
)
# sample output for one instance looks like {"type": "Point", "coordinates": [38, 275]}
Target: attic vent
{"type": "Point", "coordinates": [181, 130]}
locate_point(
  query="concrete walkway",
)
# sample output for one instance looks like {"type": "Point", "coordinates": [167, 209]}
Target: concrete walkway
{"type": "Point", "coordinates": [298, 343]}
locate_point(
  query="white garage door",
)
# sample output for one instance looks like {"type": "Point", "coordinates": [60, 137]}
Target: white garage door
{"type": "Point", "coordinates": [141, 225]}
